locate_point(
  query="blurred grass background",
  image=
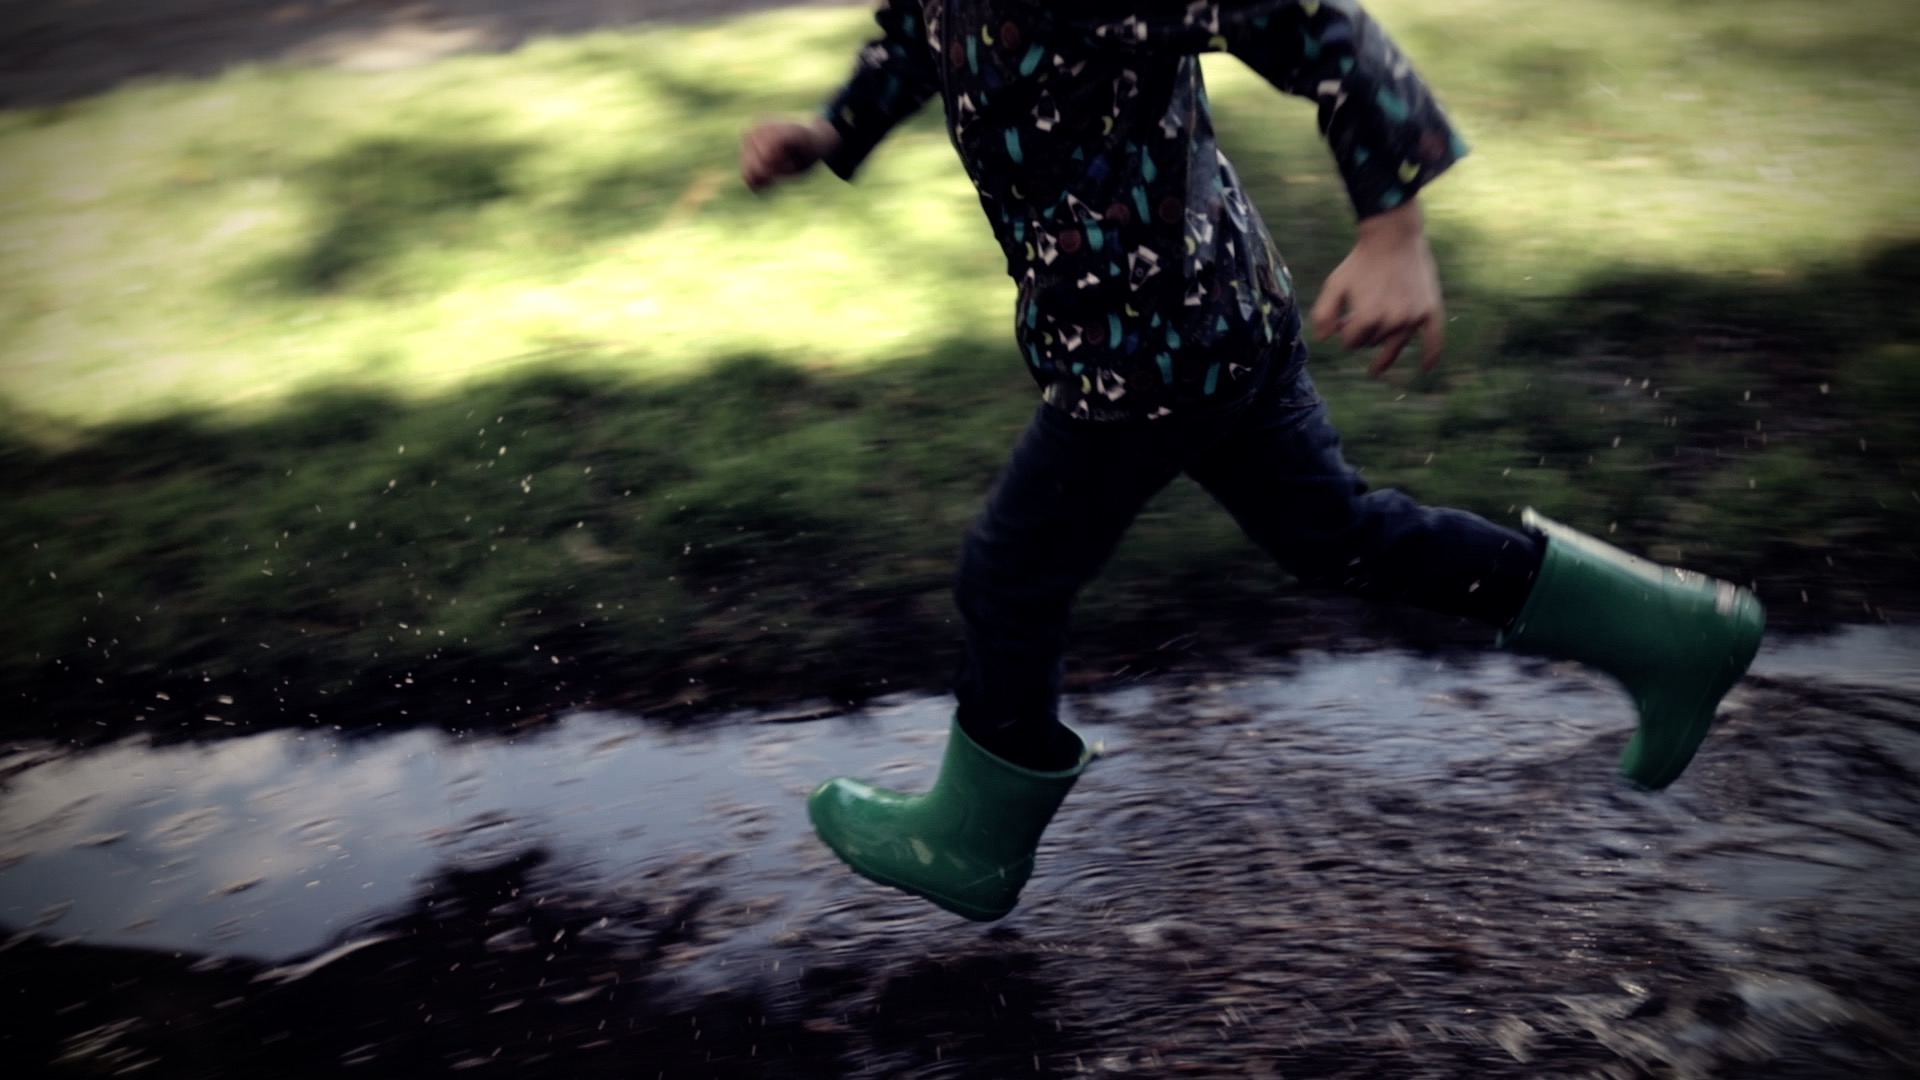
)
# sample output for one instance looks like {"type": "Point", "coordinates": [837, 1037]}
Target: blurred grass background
{"type": "Point", "coordinates": [452, 392]}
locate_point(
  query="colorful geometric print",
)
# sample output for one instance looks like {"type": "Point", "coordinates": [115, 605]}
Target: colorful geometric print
{"type": "Point", "coordinates": [1147, 281]}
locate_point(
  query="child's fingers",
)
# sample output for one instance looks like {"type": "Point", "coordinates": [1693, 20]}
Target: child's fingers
{"type": "Point", "coordinates": [1360, 327]}
{"type": "Point", "coordinates": [792, 159]}
{"type": "Point", "coordinates": [767, 153]}
{"type": "Point", "coordinates": [753, 164]}
{"type": "Point", "coordinates": [1389, 353]}
{"type": "Point", "coordinates": [1325, 317]}
{"type": "Point", "coordinates": [1433, 334]}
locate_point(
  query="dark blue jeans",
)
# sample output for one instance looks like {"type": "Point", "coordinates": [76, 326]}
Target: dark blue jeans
{"type": "Point", "coordinates": [1272, 459]}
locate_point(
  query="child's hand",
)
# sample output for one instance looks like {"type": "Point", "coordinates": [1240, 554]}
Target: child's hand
{"type": "Point", "coordinates": [1385, 291]}
{"type": "Point", "coordinates": [773, 150]}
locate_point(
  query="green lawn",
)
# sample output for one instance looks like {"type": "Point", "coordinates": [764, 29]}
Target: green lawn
{"type": "Point", "coordinates": [490, 374]}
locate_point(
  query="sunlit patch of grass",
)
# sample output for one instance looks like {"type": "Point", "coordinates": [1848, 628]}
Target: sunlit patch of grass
{"type": "Point", "coordinates": [220, 244]}
{"type": "Point", "coordinates": [228, 242]}
{"type": "Point", "coordinates": [1720, 138]}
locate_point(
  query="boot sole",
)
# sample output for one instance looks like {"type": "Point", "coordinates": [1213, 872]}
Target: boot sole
{"type": "Point", "coordinates": [943, 902]}
{"type": "Point", "coordinates": [947, 903]}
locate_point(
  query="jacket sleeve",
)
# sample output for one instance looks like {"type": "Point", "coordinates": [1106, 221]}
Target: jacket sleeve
{"type": "Point", "coordinates": [893, 76]}
{"type": "Point", "coordinates": [1388, 135]}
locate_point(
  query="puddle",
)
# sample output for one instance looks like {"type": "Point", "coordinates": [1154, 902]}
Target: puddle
{"type": "Point", "coordinates": [1254, 854]}
{"type": "Point", "coordinates": [1874, 656]}
{"type": "Point", "coordinates": [271, 846]}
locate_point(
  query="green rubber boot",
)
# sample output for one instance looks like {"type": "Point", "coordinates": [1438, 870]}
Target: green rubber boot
{"type": "Point", "coordinates": [967, 844]}
{"type": "Point", "coordinates": [1677, 640]}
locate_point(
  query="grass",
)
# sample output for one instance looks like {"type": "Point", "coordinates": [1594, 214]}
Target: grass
{"type": "Point", "coordinates": [450, 390]}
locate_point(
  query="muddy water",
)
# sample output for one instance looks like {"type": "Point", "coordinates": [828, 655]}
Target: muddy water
{"type": "Point", "coordinates": [1350, 865]}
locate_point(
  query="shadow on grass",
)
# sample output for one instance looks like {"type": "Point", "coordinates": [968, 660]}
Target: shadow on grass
{"type": "Point", "coordinates": [433, 200]}
{"type": "Point", "coordinates": [384, 197]}
{"type": "Point", "coordinates": [755, 533]}
{"type": "Point", "coordinates": [1783, 411]}
{"type": "Point", "coordinates": [59, 53]}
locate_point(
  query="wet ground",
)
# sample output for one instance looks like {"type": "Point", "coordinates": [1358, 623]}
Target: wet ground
{"type": "Point", "coordinates": [1376, 864]}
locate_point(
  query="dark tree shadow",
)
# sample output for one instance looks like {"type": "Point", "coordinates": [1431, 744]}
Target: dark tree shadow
{"type": "Point", "coordinates": [53, 53]}
{"type": "Point", "coordinates": [757, 534]}
{"type": "Point", "coordinates": [384, 197]}
{"type": "Point", "coordinates": [382, 200]}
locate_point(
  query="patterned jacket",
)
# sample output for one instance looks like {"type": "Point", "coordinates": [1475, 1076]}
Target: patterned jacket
{"type": "Point", "coordinates": [1147, 282]}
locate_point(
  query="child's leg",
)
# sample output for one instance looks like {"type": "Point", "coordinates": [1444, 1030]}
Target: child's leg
{"type": "Point", "coordinates": [1067, 495]}
{"type": "Point", "coordinates": [1282, 476]}
{"type": "Point", "coordinates": [968, 843]}
{"type": "Point", "coordinates": [1677, 641]}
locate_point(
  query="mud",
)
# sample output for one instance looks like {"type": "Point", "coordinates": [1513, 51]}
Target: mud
{"type": "Point", "coordinates": [1378, 864]}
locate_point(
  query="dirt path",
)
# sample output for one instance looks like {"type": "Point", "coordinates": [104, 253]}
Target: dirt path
{"type": "Point", "coordinates": [59, 50]}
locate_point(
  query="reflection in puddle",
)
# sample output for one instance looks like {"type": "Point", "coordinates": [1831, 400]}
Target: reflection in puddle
{"type": "Point", "coordinates": [1882, 656]}
{"type": "Point", "coordinates": [272, 845]}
